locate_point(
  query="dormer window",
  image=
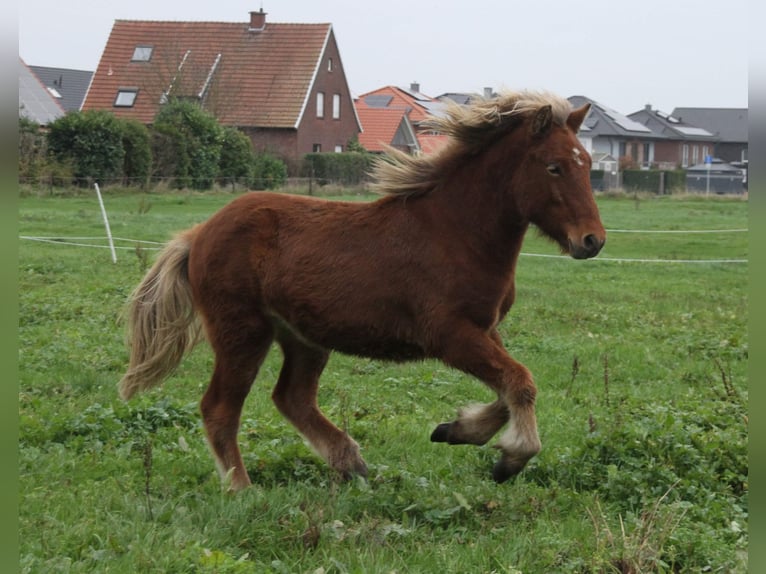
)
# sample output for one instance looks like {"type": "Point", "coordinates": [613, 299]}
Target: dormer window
{"type": "Point", "coordinates": [142, 54]}
{"type": "Point", "coordinates": [126, 97]}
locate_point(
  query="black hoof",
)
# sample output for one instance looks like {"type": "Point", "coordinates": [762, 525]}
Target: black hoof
{"type": "Point", "coordinates": [441, 433]}
{"type": "Point", "coordinates": [348, 475]}
{"type": "Point", "coordinates": [503, 470]}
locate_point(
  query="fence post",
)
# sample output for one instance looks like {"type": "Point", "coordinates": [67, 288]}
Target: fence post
{"type": "Point", "coordinates": [106, 223]}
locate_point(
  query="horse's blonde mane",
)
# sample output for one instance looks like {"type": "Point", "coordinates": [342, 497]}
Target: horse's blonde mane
{"type": "Point", "coordinates": [469, 128]}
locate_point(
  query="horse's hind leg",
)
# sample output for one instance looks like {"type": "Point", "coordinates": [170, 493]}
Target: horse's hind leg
{"type": "Point", "coordinates": [238, 356]}
{"type": "Point", "coordinates": [295, 395]}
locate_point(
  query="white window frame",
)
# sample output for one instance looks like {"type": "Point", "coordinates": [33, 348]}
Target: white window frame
{"type": "Point", "coordinates": [320, 104]}
{"type": "Point", "coordinates": [336, 106]}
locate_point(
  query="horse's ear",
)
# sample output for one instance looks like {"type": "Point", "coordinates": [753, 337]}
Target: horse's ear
{"type": "Point", "coordinates": [576, 117]}
{"type": "Point", "coordinates": [542, 120]}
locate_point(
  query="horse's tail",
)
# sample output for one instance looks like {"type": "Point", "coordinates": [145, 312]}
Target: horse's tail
{"type": "Point", "coordinates": [161, 321]}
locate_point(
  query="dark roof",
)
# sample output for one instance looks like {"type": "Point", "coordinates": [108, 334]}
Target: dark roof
{"type": "Point", "coordinates": [670, 126]}
{"type": "Point", "coordinates": [604, 121]}
{"type": "Point", "coordinates": [35, 102]}
{"type": "Point", "coordinates": [67, 86]}
{"type": "Point", "coordinates": [255, 77]}
{"type": "Point", "coordinates": [728, 124]}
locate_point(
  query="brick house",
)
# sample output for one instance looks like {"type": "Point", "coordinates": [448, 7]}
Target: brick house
{"type": "Point", "coordinates": [607, 131]}
{"type": "Point", "coordinates": [282, 84]}
{"type": "Point", "coordinates": [729, 125]}
{"type": "Point", "coordinates": [684, 144]}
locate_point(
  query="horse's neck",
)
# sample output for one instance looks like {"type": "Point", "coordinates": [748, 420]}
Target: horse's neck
{"type": "Point", "coordinates": [475, 212]}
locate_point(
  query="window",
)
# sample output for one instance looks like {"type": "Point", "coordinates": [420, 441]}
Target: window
{"type": "Point", "coordinates": [338, 149]}
{"type": "Point", "coordinates": [316, 148]}
{"type": "Point", "coordinates": [695, 155]}
{"type": "Point", "coordinates": [336, 106]}
{"type": "Point", "coordinates": [320, 104]}
{"type": "Point", "coordinates": [647, 154]}
{"type": "Point", "coordinates": [685, 156]}
{"type": "Point", "coordinates": [705, 152]}
{"type": "Point", "coordinates": [329, 64]}
{"type": "Point", "coordinates": [126, 97]}
{"type": "Point", "coordinates": [142, 54]}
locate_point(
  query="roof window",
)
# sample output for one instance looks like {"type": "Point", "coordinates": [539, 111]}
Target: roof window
{"type": "Point", "coordinates": [126, 97]}
{"type": "Point", "coordinates": [142, 54]}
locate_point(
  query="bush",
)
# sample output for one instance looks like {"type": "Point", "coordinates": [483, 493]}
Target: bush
{"type": "Point", "coordinates": [92, 142]}
{"type": "Point", "coordinates": [136, 141]}
{"type": "Point", "coordinates": [237, 158]}
{"type": "Point", "coordinates": [268, 172]}
{"type": "Point", "coordinates": [188, 144]}
{"type": "Point", "coordinates": [350, 168]}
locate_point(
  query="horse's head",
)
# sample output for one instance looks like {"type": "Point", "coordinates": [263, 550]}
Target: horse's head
{"type": "Point", "coordinates": [555, 177]}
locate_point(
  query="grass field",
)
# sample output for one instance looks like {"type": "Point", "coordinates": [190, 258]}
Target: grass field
{"type": "Point", "coordinates": [642, 408]}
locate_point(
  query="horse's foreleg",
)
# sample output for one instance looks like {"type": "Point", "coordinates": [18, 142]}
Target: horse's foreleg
{"type": "Point", "coordinates": [484, 357]}
{"type": "Point", "coordinates": [475, 424]}
{"type": "Point", "coordinates": [296, 398]}
{"type": "Point", "coordinates": [236, 365]}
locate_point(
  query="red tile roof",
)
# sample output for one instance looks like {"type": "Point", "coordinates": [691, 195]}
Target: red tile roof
{"type": "Point", "coordinates": [401, 99]}
{"type": "Point", "coordinates": [380, 126]}
{"type": "Point", "coordinates": [263, 77]}
{"type": "Point", "coordinates": [380, 120]}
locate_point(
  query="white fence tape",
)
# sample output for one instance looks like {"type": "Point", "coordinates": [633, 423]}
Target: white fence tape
{"type": "Point", "coordinates": [140, 243]}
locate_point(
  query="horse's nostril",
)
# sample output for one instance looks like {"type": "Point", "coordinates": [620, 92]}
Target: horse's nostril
{"type": "Point", "coordinates": [592, 243]}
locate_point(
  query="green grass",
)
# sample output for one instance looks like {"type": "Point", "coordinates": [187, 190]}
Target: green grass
{"type": "Point", "coordinates": [642, 408]}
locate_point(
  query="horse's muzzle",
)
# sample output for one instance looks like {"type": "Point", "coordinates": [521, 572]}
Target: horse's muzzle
{"type": "Point", "coordinates": [589, 247]}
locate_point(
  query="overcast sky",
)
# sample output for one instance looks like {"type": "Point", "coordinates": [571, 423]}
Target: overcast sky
{"type": "Point", "coordinates": [667, 53]}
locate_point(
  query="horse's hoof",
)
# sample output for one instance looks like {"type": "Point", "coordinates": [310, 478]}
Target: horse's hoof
{"type": "Point", "coordinates": [359, 469]}
{"type": "Point", "coordinates": [441, 433]}
{"type": "Point", "coordinates": [503, 470]}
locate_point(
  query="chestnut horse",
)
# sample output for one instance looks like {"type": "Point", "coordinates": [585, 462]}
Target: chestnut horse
{"type": "Point", "coordinates": [427, 271]}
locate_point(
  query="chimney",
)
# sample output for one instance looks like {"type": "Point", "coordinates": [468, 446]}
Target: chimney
{"type": "Point", "coordinates": [257, 21]}
{"type": "Point", "coordinates": [488, 93]}
{"type": "Point", "coordinates": [648, 107]}
{"type": "Point", "coordinates": [415, 87]}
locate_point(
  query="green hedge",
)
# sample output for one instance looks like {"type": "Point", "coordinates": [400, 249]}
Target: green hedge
{"type": "Point", "coordinates": [649, 180]}
{"type": "Point", "coordinates": [349, 168]}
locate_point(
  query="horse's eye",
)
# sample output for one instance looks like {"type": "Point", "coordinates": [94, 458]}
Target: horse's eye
{"type": "Point", "coordinates": [553, 169]}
